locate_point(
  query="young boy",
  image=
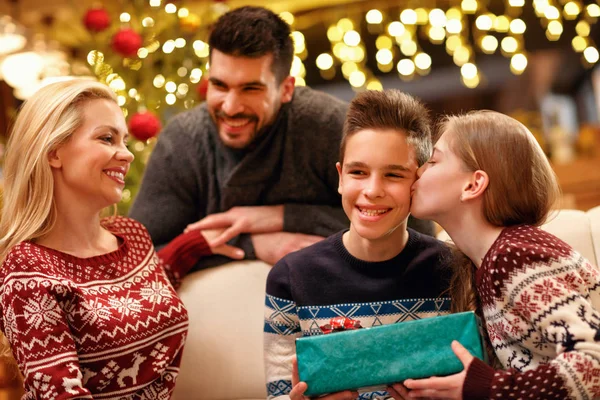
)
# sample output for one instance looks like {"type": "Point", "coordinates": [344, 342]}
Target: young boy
{"type": "Point", "coordinates": [378, 272]}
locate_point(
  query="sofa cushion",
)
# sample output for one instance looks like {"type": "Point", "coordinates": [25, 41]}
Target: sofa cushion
{"type": "Point", "coordinates": [594, 215]}
{"type": "Point", "coordinates": [223, 355]}
{"type": "Point", "coordinates": [573, 226]}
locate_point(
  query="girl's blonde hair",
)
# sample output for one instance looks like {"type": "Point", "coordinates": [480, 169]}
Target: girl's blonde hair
{"type": "Point", "coordinates": [522, 186]}
{"type": "Point", "coordinates": [46, 121]}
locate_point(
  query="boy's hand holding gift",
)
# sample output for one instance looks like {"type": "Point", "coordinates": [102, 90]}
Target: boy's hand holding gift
{"type": "Point", "coordinates": [389, 355]}
{"type": "Point", "coordinates": [336, 324]}
{"type": "Point", "coordinates": [298, 388]}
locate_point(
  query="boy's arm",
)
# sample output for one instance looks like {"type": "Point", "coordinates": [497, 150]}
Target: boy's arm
{"type": "Point", "coordinates": [281, 329]}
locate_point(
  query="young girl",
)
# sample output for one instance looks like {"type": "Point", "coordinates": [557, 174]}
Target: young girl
{"type": "Point", "coordinates": [490, 186]}
{"type": "Point", "coordinates": [85, 303]}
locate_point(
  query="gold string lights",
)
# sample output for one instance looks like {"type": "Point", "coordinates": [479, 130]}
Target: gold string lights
{"type": "Point", "coordinates": [348, 51]}
{"type": "Point", "coordinates": [298, 69]}
{"type": "Point", "coordinates": [467, 30]}
{"type": "Point", "coordinates": [464, 29]}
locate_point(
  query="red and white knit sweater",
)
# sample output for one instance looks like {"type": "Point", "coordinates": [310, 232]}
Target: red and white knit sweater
{"type": "Point", "coordinates": [105, 327]}
{"type": "Point", "coordinates": [541, 304]}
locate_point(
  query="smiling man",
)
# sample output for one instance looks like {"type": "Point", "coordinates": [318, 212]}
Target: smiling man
{"type": "Point", "coordinates": [256, 161]}
{"type": "Point", "coordinates": [243, 102]}
{"type": "Point", "coordinates": [257, 156]}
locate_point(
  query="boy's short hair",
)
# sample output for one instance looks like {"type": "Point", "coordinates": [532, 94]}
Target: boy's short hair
{"type": "Point", "coordinates": [390, 109]}
{"type": "Point", "coordinates": [254, 32]}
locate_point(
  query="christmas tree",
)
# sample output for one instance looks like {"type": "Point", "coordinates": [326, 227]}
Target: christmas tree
{"type": "Point", "coordinates": [154, 55]}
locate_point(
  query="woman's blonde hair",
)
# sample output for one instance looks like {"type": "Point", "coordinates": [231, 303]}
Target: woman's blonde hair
{"type": "Point", "coordinates": [46, 120]}
{"type": "Point", "coordinates": [522, 185]}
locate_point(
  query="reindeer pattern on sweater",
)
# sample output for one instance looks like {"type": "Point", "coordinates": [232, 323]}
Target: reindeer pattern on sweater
{"type": "Point", "coordinates": [105, 327]}
{"type": "Point", "coordinates": [541, 304]}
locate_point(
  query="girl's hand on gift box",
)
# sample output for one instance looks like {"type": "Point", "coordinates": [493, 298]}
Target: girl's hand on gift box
{"type": "Point", "coordinates": [447, 387]}
{"type": "Point", "coordinates": [298, 388]}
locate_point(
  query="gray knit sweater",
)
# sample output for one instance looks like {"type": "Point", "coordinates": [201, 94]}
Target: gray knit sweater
{"type": "Point", "coordinates": [191, 174]}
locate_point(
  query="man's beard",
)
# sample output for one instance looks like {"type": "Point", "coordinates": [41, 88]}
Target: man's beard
{"type": "Point", "coordinates": [252, 137]}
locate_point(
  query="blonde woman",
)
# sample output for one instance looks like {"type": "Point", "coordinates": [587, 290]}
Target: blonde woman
{"type": "Point", "coordinates": [490, 186]}
{"type": "Point", "coordinates": [87, 306]}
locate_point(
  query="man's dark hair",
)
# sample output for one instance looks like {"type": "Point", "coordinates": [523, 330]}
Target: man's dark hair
{"type": "Point", "coordinates": [390, 109]}
{"type": "Point", "coordinates": [254, 32]}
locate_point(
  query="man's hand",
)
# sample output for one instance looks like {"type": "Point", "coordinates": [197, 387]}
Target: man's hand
{"type": "Point", "coordinates": [448, 387]}
{"type": "Point", "coordinates": [250, 219]}
{"type": "Point", "coordinates": [271, 247]}
{"type": "Point", "coordinates": [225, 250]}
{"type": "Point", "coordinates": [298, 388]}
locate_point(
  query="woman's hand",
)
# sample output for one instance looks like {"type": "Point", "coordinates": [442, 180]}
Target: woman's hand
{"type": "Point", "coordinates": [224, 249]}
{"type": "Point", "coordinates": [298, 388]}
{"type": "Point", "coordinates": [447, 387]}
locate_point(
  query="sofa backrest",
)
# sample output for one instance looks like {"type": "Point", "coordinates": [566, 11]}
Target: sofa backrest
{"type": "Point", "coordinates": [223, 354]}
{"type": "Point", "coordinates": [575, 228]}
{"type": "Point", "coordinates": [594, 215]}
{"type": "Point", "coordinates": [579, 229]}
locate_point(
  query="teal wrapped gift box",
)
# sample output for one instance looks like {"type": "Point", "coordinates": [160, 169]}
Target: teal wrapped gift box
{"type": "Point", "coordinates": [386, 354]}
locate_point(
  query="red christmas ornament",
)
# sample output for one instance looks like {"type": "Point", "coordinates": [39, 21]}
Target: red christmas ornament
{"type": "Point", "coordinates": [202, 88]}
{"type": "Point", "coordinates": [96, 19]}
{"type": "Point", "coordinates": [144, 125]}
{"type": "Point", "coordinates": [126, 42]}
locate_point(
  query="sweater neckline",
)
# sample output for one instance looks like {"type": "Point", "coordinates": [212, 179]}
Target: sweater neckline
{"type": "Point", "coordinates": [112, 256]}
{"type": "Point", "coordinates": [399, 259]}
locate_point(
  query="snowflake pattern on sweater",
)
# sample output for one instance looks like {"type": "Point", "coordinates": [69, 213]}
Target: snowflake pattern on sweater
{"type": "Point", "coordinates": [541, 303]}
{"type": "Point", "coordinates": [104, 327]}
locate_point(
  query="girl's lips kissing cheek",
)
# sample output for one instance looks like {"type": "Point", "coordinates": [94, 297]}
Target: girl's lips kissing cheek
{"type": "Point", "coordinates": [413, 189]}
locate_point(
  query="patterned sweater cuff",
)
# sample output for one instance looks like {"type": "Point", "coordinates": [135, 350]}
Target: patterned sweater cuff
{"type": "Point", "coordinates": [183, 252]}
{"type": "Point", "coordinates": [478, 381]}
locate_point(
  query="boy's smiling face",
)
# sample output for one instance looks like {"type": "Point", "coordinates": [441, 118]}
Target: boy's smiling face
{"type": "Point", "coordinates": [378, 170]}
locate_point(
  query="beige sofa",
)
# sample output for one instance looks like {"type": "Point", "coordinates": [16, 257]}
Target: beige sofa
{"type": "Point", "coordinates": [223, 355]}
